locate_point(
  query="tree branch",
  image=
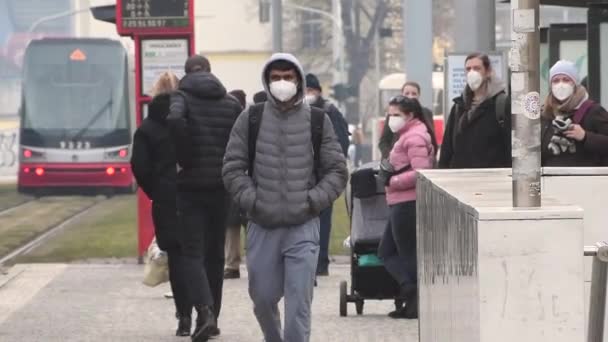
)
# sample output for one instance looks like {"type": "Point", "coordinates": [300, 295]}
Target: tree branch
{"type": "Point", "coordinates": [379, 15]}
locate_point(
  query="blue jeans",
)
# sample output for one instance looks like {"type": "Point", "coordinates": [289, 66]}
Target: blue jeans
{"type": "Point", "coordinates": [325, 219]}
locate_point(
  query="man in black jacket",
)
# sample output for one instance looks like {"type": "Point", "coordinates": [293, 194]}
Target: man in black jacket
{"type": "Point", "coordinates": [478, 131]}
{"type": "Point", "coordinates": [315, 98]}
{"type": "Point", "coordinates": [201, 118]}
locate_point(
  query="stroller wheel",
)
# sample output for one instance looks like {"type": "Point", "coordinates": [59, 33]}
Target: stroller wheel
{"type": "Point", "coordinates": [359, 305]}
{"type": "Point", "coordinates": [343, 302]}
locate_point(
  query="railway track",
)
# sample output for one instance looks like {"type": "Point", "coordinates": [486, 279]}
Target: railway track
{"type": "Point", "coordinates": [29, 225]}
{"type": "Point", "coordinates": [15, 207]}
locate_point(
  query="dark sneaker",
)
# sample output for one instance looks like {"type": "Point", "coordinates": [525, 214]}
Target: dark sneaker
{"type": "Point", "coordinates": [184, 325]}
{"type": "Point", "coordinates": [206, 325]}
{"type": "Point", "coordinates": [411, 308]}
{"type": "Point", "coordinates": [231, 274]}
{"type": "Point", "coordinates": [215, 332]}
{"type": "Point", "coordinates": [399, 313]}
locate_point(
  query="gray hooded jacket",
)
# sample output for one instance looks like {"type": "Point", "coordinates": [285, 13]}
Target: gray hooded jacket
{"type": "Point", "coordinates": [283, 191]}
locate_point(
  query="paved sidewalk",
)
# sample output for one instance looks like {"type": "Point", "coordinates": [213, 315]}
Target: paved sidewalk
{"type": "Point", "coordinates": [89, 302]}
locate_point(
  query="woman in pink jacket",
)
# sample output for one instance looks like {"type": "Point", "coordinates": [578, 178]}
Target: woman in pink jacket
{"type": "Point", "coordinates": [415, 149]}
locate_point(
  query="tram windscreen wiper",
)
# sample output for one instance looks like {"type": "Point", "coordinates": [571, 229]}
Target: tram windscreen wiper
{"type": "Point", "coordinates": [93, 120]}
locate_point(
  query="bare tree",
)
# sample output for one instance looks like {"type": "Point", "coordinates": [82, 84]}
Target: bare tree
{"type": "Point", "coordinates": [359, 38]}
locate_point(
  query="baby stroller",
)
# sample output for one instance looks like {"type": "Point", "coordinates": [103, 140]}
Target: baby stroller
{"type": "Point", "coordinates": [368, 211]}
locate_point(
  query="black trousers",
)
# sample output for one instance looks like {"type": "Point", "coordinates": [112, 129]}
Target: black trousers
{"type": "Point", "coordinates": [398, 246]}
{"type": "Point", "coordinates": [203, 218]}
{"type": "Point", "coordinates": [168, 237]}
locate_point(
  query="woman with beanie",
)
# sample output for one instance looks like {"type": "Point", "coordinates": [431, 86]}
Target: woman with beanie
{"type": "Point", "coordinates": [414, 150]}
{"type": "Point", "coordinates": [574, 128]}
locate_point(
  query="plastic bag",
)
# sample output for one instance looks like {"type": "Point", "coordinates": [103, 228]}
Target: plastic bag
{"type": "Point", "coordinates": [156, 270]}
{"type": "Point", "coordinates": [346, 243]}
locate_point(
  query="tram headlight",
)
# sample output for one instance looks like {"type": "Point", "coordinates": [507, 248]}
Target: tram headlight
{"type": "Point", "coordinates": [123, 153]}
{"type": "Point", "coordinates": [29, 154]}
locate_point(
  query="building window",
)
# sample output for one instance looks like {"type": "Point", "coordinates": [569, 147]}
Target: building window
{"type": "Point", "coordinates": [311, 30]}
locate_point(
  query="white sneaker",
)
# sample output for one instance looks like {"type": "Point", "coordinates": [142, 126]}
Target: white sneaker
{"type": "Point", "coordinates": [168, 295]}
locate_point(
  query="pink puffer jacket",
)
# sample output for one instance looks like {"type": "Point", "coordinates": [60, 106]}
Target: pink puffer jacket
{"type": "Point", "coordinates": [413, 148]}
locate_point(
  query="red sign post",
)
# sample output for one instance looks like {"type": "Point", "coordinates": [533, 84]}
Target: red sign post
{"type": "Point", "coordinates": [163, 32]}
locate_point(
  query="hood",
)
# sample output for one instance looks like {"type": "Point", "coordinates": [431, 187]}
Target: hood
{"type": "Point", "coordinates": [494, 86]}
{"type": "Point", "coordinates": [203, 85]}
{"type": "Point", "coordinates": [293, 60]}
{"type": "Point", "coordinates": [159, 107]}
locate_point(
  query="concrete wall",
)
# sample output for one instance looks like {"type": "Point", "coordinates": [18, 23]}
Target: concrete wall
{"type": "Point", "coordinates": [585, 187]}
{"type": "Point", "coordinates": [489, 272]}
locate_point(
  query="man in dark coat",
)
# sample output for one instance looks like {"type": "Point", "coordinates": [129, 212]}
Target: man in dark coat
{"type": "Point", "coordinates": [478, 131]}
{"type": "Point", "coordinates": [315, 98]}
{"type": "Point", "coordinates": [201, 118]}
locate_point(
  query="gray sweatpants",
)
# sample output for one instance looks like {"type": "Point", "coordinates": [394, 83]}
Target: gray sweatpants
{"type": "Point", "coordinates": [282, 262]}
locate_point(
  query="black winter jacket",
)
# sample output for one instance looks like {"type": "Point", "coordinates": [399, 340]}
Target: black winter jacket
{"type": "Point", "coordinates": [153, 159]}
{"type": "Point", "coordinates": [201, 118]}
{"type": "Point", "coordinates": [592, 151]}
{"type": "Point", "coordinates": [337, 120]}
{"type": "Point", "coordinates": [478, 142]}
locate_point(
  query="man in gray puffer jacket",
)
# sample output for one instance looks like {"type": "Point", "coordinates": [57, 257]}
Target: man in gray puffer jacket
{"type": "Point", "coordinates": [283, 199]}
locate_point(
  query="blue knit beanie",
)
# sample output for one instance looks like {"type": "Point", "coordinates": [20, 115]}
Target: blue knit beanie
{"type": "Point", "coordinates": [564, 67]}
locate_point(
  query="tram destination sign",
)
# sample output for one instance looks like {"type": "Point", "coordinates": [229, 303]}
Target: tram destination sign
{"type": "Point", "coordinates": [155, 14]}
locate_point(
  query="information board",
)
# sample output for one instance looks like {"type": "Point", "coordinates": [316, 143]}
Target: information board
{"type": "Point", "coordinates": [159, 56]}
{"type": "Point", "coordinates": [456, 76]}
{"type": "Point", "coordinates": [154, 14]}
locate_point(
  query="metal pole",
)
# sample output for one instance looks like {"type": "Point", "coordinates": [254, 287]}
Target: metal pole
{"type": "Point", "coordinates": [336, 42]}
{"type": "Point", "coordinates": [378, 69]}
{"type": "Point", "coordinates": [525, 103]}
{"type": "Point", "coordinates": [277, 26]}
{"type": "Point", "coordinates": [597, 306]}
{"type": "Point", "coordinates": [419, 47]}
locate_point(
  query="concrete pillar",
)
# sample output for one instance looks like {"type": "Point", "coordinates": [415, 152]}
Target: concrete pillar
{"type": "Point", "coordinates": [418, 47]}
{"type": "Point", "coordinates": [475, 25]}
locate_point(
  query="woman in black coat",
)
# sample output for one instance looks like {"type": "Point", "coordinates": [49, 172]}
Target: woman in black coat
{"type": "Point", "coordinates": [154, 167]}
{"type": "Point", "coordinates": [574, 128]}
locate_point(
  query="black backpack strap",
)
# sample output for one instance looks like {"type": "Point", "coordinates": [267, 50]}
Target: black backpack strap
{"type": "Point", "coordinates": [317, 118]}
{"type": "Point", "coordinates": [255, 119]}
{"type": "Point", "coordinates": [501, 102]}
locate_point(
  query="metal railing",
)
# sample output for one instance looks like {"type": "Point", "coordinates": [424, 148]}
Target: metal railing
{"type": "Point", "coordinates": [599, 277]}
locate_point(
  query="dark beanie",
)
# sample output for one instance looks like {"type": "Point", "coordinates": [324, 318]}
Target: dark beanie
{"type": "Point", "coordinates": [197, 63]}
{"type": "Point", "coordinates": [260, 97]}
{"type": "Point", "coordinates": [241, 96]}
{"type": "Point", "coordinates": [313, 82]}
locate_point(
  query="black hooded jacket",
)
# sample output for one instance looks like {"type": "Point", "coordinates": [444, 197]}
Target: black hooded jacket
{"type": "Point", "coordinates": [478, 140]}
{"type": "Point", "coordinates": [201, 117]}
{"type": "Point", "coordinates": [153, 159]}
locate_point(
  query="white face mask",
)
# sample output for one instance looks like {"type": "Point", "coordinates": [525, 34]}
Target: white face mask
{"type": "Point", "coordinates": [311, 98]}
{"type": "Point", "coordinates": [283, 90]}
{"type": "Point", "coordinates": [474, 80]}
{"type": "Point", "coordinates": [396, 123]}
{"type": "Point", "coordinates": [562, 90]}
